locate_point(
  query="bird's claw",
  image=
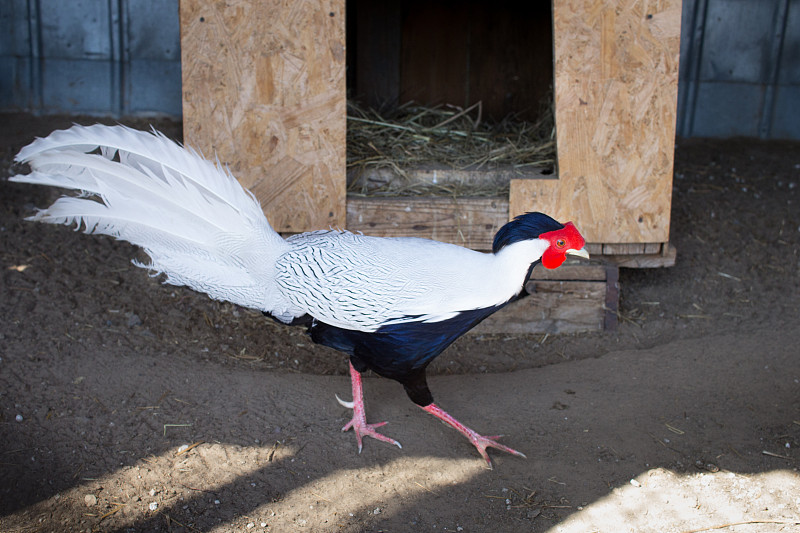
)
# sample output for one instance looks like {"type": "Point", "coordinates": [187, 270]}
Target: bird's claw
{"type": "Point", "coordinates": [349, 405]}
{"type": "Point", "coordinates": [481, 442]}
{"type": "Point", "coordinates": [362, 429]}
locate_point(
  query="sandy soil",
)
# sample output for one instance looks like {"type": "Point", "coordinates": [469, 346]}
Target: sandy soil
{"type": "Point", "coordinates": [685, 419]}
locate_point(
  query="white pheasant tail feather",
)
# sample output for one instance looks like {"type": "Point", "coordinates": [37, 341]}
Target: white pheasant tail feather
{"type": "Point", "coordinates": [198, 225]}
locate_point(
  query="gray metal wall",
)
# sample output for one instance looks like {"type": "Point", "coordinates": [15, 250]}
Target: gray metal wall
{"type": "Point", "coordinates": [97, 57]}
{"type": "Point", "coordinates": [740, 62]}
{"type": "Point", "coordinates": [740, 69]}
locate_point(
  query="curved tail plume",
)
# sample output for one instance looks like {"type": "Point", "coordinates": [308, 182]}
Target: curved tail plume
{"type": "Point", "coordinates": [198, 225]}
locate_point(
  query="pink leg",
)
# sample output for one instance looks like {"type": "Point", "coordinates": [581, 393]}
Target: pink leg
{"type": "Point", "coordinates": [479, 441]}
{"type": "Point", "coordinates": [359, 421]}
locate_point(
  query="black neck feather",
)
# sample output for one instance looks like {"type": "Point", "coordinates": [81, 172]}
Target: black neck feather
{"type": "Point", "coordinates": [523, 228]}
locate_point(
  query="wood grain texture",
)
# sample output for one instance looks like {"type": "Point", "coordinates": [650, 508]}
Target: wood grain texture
{"type": "Point", "coordinates": [264, 91]}
{"type": "Point", "coordinates": [470, 222]}
{"type": "Point", "coordinates": [611, 307]}
{"type": "Point", "coordinates": [473, 222]}
{"type": "Point", "coordinates": [616, 80]}
{"type": "Point", "coordinates": [461, 52]}
{"type": "Point", "coordinates": [666, 257]}
{"type": "Point", "coordinates": [571, 270]}
{"type": "Point", "coordinates": [553, 307]}
{"type": "Point", "coordinates": [470, 179]}
{"type": "Point", "coordinates": [375, 53]}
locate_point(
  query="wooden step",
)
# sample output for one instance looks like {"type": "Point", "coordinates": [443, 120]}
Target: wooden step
{"type": "Point", "coordinates": [576, 297]}
{"type": "Point", "coordinates": [472, 222]}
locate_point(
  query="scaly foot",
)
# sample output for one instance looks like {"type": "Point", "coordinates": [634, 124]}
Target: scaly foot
{"type": "Point", "coordinates": [360, 427]}
{"type": "Point", "coordinates": [480, 442]}
{"type": "Point", "coordinates": [359, 421]}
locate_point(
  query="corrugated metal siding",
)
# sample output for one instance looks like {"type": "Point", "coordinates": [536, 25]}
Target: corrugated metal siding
{"type": "Point", "coordinates": [740, 69]}
{"type": "Point", "coordinates": [740, 62]}
{"type": "Point", "coordinates": [99, 57]}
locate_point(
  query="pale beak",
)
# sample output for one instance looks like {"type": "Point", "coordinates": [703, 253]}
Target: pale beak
{"type": "Point", "coordinates": [580, 253]}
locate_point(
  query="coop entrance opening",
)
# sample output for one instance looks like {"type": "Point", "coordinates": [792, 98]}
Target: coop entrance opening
{"type": "Point", "coordinates": [448, 97]}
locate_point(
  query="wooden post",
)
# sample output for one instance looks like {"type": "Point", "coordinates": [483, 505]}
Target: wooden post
{"type": "Point", "coordinates": [264, 91]}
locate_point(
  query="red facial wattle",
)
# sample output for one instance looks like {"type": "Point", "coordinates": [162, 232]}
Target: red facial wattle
{"type": "Point", "coordinates": [567, 238]}
{"type": "Point", "coordinates": [552, 258]}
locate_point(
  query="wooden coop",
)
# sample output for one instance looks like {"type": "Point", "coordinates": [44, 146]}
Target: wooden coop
{"type": "Point", "coordinates": [265, 89]}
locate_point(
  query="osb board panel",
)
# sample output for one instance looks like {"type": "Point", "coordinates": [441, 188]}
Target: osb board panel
{"type": "Point", "coordinates": [555, 307]}
{"type": "Point", "coordinates": [616, 81]}
{"type": "Point", "coordinates": [470, 222]}
{"type": "Point", "coordinates": [264, 91]}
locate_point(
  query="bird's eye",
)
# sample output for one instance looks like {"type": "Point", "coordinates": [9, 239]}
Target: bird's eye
{"type": "Point", "coordinates": [560, 243]}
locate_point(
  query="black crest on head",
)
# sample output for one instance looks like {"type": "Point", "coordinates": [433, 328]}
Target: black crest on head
{"type": "Point", "coordinates": [524, 227]}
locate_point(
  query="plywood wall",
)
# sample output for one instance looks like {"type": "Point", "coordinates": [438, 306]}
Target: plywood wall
{"type": "Point", "coordinates": [616, 82]}
{"type": "Point", "coordinates": [264, 90]}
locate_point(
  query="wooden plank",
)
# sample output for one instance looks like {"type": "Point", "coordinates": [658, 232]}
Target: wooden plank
{"type": "Point", "coordinates": [594, 248]}
{"type": "Point", "coordinates": [434, 57]}
{"type": "Point", "coordinates": [377, 52]}
{"type": "Point", "coordinates": [470, 222]}
{"type": "Point", "coordinates": [459, 53]}
{"type": "Point", "coordinates": [632, 248]}
{"type": "Point", "coordinates": [616, 81]}
{"type": "Point", "coordinates": [510, 57]}
{"type": "Point", "coordinates": [624, 248]}
{"type": "Point", "coordinates": [575, 297]}
{"type": "Point", "coordinates": [665, 258]}
{"type": "Point", "coordinates": [611, 306]}
{"type": "Point", "coordinates": [653, 247]}
{"type": "Point", "coordinates": [264, 91]}
{"type": "Point", "coordinates": [479, 181]}
{"type": "Point", "coordinates": [554, 307]}
{"type": "Point", "coordinates": [473, 222]}
{"type": "Point", "coordinates": [571, 270]}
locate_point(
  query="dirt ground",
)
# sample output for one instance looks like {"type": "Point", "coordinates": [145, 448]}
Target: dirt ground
{"type": "Point", "coordinates": [128, 405]}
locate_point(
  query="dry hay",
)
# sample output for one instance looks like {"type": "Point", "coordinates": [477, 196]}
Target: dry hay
{"type": "Point", "coordinates": [416, 137]}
